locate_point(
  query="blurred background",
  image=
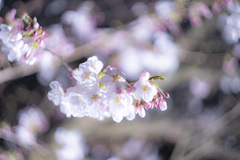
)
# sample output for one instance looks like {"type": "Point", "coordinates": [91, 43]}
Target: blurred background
{"type": "Point", "coordinates": [193, 44]}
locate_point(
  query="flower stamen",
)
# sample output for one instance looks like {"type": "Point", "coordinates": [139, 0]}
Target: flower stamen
{"type": "Point", "coordinates": [117, 100]}
{"type": "Point", "coordinates": [116, 78]}
{"type": "Point", "coordinates": [87, 75]}
{"type": "Point", "coordinates": [144, 88]}
{"type": "Point", "coordinates": [95, 97]}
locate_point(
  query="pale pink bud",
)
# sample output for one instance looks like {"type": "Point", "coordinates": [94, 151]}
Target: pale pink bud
{"type": "Point", "coordinates": [163, 105]}
{"type": "Point", "coordinates": [144, 76]}
{"type": "Point", "coordinates": [36, 25]}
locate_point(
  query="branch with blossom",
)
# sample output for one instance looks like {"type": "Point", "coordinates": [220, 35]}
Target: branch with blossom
{"type": "Point", "coordinates": [22, 39]}
{"type": "Point", "coordinates": [99, 94]}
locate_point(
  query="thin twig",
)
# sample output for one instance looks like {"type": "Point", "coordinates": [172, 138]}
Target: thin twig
{"type": "Point", "coordinates": [61, 58]}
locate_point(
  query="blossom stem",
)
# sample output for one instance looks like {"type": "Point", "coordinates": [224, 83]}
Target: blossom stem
{"type": "Point", "coordinates": [70, 69]}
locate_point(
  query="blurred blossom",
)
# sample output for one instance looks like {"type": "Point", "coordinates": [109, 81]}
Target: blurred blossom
{"type": "Point", "coordinates": [230, 34]}
{"type": "Point", "coordinates": [165, 9]}
{"type": "Point", "coordinates": [119, 41]}
{"type": "Point", "coordinates": [236, 51]}
{"type": "Point", "coordinates": [199, 88]}
{"type": "Point", "coordinates": [164, 43]}
{"type": "Point", "coordinates": [167, 16]}
{"type": "Point", "coordinates": [25, 135]}
{"type": "Point", "coordinates": [231, 27]}
{"type": "Point", "coordinates": [217, 8]}
{"type": "Point", "coordinates": [142, 29]}
{"type": "Point", "coordinates": [197, 11]}
{"type": "Point", "coordinates": [162, 58]}
{"type": "Point", "coordinates": [82, 22]}
{"type": "Point", "coordinates": [34, 119]}
{"type": "Point", "coordinates": [136, 149]}
{"type": "Point", "coordinates": [58, 42]}
{"type": "Point", "coordinates": [55, 7]}
{"type": "Point", "coordinates": [73, 146]}
{"type": "Point", "coordinates": [47, 69]}
{"type": "Point", "coordinates": [11, 155]}
{"type": "Point", "coordinates": [230, 66]}
{"type": "Point", "coordinates": [31, 122]}
{"type": "Point", "coordinates": [114, 158]}
{"type": "Point", "coordinates": [132, 70]}
{"type": "Point", "coordinates": [139, 8]}
{"type": "Point", "coordinates": [165, 56]}
{"type": "Point", "coordinates": [230, 84]}
{"type": "Point", "coordinates": [132, 148]}
{"type": "Point", "coordinates": [233, 6]}
{"type": "Point", "coordinates": [100, 151]}
{"type": "Point", "coordinates": [1, 4]}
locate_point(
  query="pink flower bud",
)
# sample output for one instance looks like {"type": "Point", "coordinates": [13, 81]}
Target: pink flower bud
{"type": "Point", "coordinates": [129, 90]}
{"type": "Point", "coordinates": [166, 94]}
{"type": "Point", "coordinates": [119, 91]}
{"type": "Point", "coordinates": [157, 102]}
{"type": "Point", "coordinates": [71, 75]}
{"type": "Point", "coordinates": [160, 96]}
{"type": "Point", "coordinates": [148, 105]}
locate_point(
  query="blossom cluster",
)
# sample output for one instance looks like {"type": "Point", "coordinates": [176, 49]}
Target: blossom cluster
{"type": "Point", "coordinates": [99, 94]}
{"type": "Point", "coordinates": [231, 27]}
{"type": "Point", "coordinates": [72, 142]}
{"type": "Point", "coordinates": [21, 38]}
{"type": "Point", "coordinates": [26, 130]}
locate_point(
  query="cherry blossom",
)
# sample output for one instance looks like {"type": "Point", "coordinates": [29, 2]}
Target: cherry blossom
{"type": "Point", "coordinates": [77, 103]}
{"type": "Point", "coordinates": [85, 74]}
{"type": "Point", "coordinates": [56, 93]}
{"type": "Point", "coordinates": [99, 94]}
{"type": "Point", "coordinates": [118, 105]}
{"type": "Point", "coordinates": [22, 39]}
{"type": "Point", "coordinates": [95, 97]}
{"type": "Point", "coordinates": [114, 79]}
{"type": "Point", "coordinates": [73, 146]}
{"type": "Point", "coordinates": [27, 130]}
{"type": "Point", "coordinates": [144, 90]}
{"type": "Point", "coordinates": [96, 64]}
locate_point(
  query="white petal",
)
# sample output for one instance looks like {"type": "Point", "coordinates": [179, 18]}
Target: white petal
{"type": "Point", "coordinates": [106, 80]}
{"type": "Point", "coordinates": [117, 118]}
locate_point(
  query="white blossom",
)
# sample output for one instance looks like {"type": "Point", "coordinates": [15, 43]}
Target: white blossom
{"type": "Point", "coordinates": [77, 103]}
{"type": "Point", "coordinates": [119, 105]}
{"type": "Point", "coordinates": [108, 96]}
{"type": "Point", "coordinates": [73, 146]}
{"type": "Point", "coordinates": [95, 98]}
{"type": "Point", "coordinates": [96, 64]}
{"type": "Point", "coordinates": [114, 80]}
{"type": "Point", "coordinates": [30, 122]}
{"type": "Point", "coordinates": [56, 94]}
{"type": "Point", "coordinates": [143, 89]}
{"type": "Point", "coordinates": [85, 74]}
